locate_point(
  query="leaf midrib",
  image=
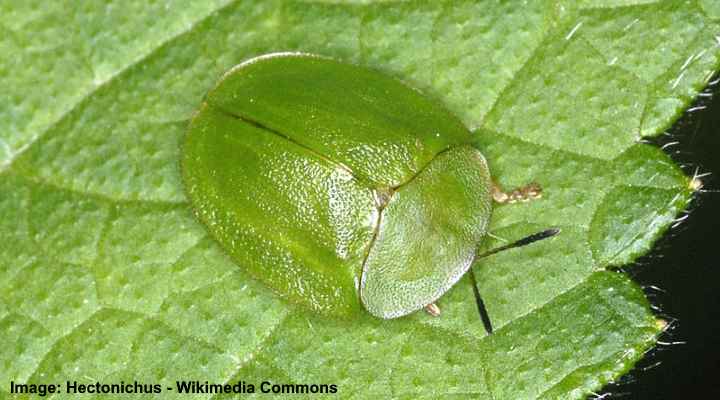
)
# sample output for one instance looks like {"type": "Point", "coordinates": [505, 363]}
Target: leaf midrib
{"type": "Point", "coordinates": [8, 163]}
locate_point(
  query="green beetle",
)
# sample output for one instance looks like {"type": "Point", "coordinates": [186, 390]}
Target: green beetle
{"type": "Point", "coordinates": [339, 187]}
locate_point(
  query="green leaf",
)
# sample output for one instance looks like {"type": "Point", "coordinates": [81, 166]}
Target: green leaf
{"type": "Point", "coordinates": [106, 276]}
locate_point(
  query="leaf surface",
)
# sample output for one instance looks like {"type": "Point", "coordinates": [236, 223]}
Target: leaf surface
{"type": "Point", "coordinates": [106, 276]}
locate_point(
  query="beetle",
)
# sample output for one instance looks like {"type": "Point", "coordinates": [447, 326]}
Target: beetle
{"type": "Point", "coordinates": [341, 188]}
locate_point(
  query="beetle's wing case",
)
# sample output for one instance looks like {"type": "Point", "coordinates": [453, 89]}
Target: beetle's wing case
{"type": "Point", "coordinates": [382, 130]}
{"type": "Point", "coordinates": [294, 220]}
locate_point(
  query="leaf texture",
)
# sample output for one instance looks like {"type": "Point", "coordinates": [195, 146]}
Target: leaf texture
{"type": "Point", "coordinates": [106, 276]}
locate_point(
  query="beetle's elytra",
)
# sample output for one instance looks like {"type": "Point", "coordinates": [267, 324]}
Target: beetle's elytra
{"type": "Point", "coordinates": [339, 187]}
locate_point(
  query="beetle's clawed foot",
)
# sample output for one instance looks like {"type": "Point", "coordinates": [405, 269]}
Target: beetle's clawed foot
{"type": "Point", "coordinates": [525, 193]}
{"type": "Point", "coordinates": [433, 309]}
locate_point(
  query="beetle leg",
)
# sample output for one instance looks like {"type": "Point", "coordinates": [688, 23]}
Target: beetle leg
{"type": "Point", "coordinates": [525, 193]}
{"type": "Point", "coordinates": [433, 309]}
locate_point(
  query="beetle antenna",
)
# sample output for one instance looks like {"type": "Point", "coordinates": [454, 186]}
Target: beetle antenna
{"type": "Point", "coordinates": [522, 242]}
{"type": "Point", "coordinates": [547, 233]}
{"type": "Point", "coordinates": [480, 304]}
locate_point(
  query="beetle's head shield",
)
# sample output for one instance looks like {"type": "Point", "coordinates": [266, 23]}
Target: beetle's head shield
{"type": "Point", "coordinates": [428, 234]}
